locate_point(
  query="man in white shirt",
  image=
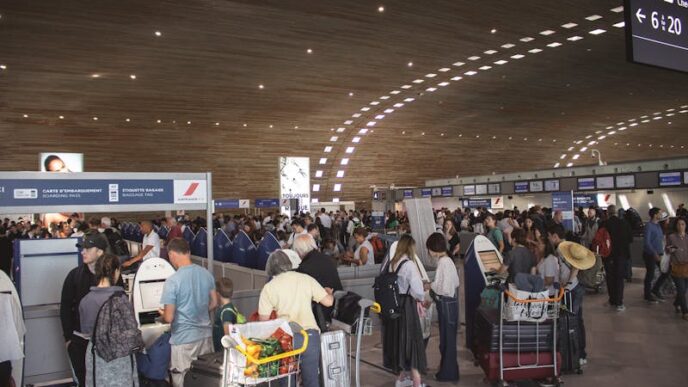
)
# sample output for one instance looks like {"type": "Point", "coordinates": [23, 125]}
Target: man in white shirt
{"type": "Point", "coordinates": [299, 228]}
{"type": "Point", "coordinates": [149, 248]}
{"type": "Point", "coordinates": [326, 222]}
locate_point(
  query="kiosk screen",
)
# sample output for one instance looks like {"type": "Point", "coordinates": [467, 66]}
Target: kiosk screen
{"type": "Point", "coordinates": [151, 292]}
{"type": "Point", "coordinates": [490, 260]}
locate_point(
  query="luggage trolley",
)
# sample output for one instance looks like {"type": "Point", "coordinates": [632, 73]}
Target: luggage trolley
{"type": "Point", "coordinates": [236, 358]}
{"type": "Point", "coordinates": [540, 360]}
{"type": "Point", "coordinates": [362, 326]}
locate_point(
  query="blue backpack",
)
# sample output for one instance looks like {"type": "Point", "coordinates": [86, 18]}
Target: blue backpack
{"type": "Point", "coordinates": [155, 363]}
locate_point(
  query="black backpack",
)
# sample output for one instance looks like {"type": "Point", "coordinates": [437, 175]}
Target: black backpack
{"type": "Point", "coordinates": [117, 243]}
{"type": "Point", "coordinates": [386, 289]}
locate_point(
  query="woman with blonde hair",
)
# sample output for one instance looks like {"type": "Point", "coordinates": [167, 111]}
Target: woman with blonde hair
{"type": "Point", "coordinates": [403, 347]}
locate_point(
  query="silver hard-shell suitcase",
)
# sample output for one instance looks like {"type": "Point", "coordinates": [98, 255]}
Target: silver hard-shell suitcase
{"type": "Point", "coordinates": [334, 356]}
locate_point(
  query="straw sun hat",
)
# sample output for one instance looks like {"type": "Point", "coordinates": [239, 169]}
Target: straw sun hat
{"type": "Point", "coordinates": [577, 255]}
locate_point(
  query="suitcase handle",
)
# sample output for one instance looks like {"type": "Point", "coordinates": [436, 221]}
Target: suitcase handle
{"type": "Point", "coordinates": [281, 356]}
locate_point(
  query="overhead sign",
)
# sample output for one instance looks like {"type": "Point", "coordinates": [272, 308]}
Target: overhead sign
{"type": "Point", "coordinates": [468, 190]}
{"type": "Point", "coordinates": [295, 181]}
{"type": "Point", "coordinates": [551, 185]}
{"type": "Point", "coordinates": [437, 191]}
{"type": "Point", "coordinates": [190, 191]}
{"type": "Point", "coordinates": [605, 182]}
{"type": "Point", "coordinates": [494, 188]}
{"type": "Point", "coordinates": [536, 186]}
{"type": "Point", "coordinates": [586, 183]}
{"type": "Point", "coordinates": [625, 181]}
{"type": "Point", "coordinates": [244, 203]}
{"type": "Point", "coordinates": [447, 191]}
{"type": "Point", "coordinates": [408, 194]}
{"type": "Point", "coordinates": [226, 203]}
{"type": "Point", "coordinates": [475, 203]}
{"type": "Point", "coordinates": [378, 220]}
{"type": "Point", "coordinates": [655, 34]}
{"type": "Point", "coordinates": [585, 200]}
{"type": "Point", "coordinates": [605, 200]}
{"type": "Point", "coordinates": [521, 187]}
{"type": "Point", "coordinates": [425, 192]}
{"type": "Point", "coordinates": [481, 189]}
{"type": "Point", "coordinates": [267, 203]}
{"type": "Point", "coordinates": [497, 202]}
{"type": "Point", "coordinates": [669, 179]}
{"type": "Point", "coordinates": [563, 201]}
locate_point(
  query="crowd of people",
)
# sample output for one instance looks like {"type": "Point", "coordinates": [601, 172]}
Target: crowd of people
{"type": "Point", "coordinates": [304, 276]}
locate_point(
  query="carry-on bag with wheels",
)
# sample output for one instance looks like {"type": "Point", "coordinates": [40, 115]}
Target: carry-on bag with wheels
{"type": "Point", "coordinates": [334, 356]}
{"type": "Point", "coordinates": [206, 371]}
{"type": "Point", "coordinates": [568, 343]}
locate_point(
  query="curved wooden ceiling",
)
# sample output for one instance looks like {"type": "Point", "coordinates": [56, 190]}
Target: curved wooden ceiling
{"type": "Point", "coordinates": [201, 79]}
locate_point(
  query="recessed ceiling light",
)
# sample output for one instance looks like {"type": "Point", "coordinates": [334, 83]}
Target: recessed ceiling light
{"type": "Point", "coordinates": [398, 105]}
{"type": "Point", "coordinates": [490, 52]}
{"type": "Point", "coordinates": [517, 56]}
{"type": "Point", "coordinates": [365, 108]}
{"type": "Point", "coordinates": [159, 121]}
{"type": "Point", "coordinates": [441, 134]}
{"type": "Point", "coordinates": [470, 73]}
{"type": "Point", "coordinates": [363, 131]}
{"type": "Point", "coordinates": [422, 133]}
{"type": "Point", "coordinates": [3, 67]}
{"type": "Point", "coordinates": [381, 8]}
{"type": "Point", "coordinates": [456, 78]}
{"type": "Point", "coordinates": [345, 161]}
{"type": "Point", "coordinates": [431, 75]}
{"type": "Point", "coordinates": [620, 24]}
{"type": "Point", "coordinates": [25, 116]}
{"type": "Point", "coordinates": [371, 123]}
{"type": "Point", "coordinates": [218, 124]}
{"type": "Point", "coordinates": [245, 125]}
{"type": "Point", "coordinates": [431, 89]}
{"type": "Point", "coordinates": [350, 149]}
{"type": "Point", "coordinates": [546, 32]}
{"type": "Point", "coordinates": [569, 25]}
{"type": "Point", "coordinates": [323, 161]}
{"type": "Point", "coordinates": [384, 97]}
{"type": "Point", "coordinates": [418, 81]}
{"type": "Point", "coordinates": [127, 120]}
{"type": "Point", "coordinates": [474, 57]}
{"type": "Point", "coordinates": [501, 62]}
{"type": "Point", "coordinates": [318, 173]}
{"type": "Point", "coordinates": [337, 187]}
{"type": "Point", "coordinates": [340, 173]}
{"type": "Point", "coordinates": [485, 68]}
{"type": "Point", "coordinates": [554, 44]}
{"type": "Point", "coordinates": [356, 139]}
{"type": "Point", "coordinates": [351, 94]}
{"type": "Point", "coordinates": [356, 115]}
{"type": "Point", "coordinates": [556, 165]}
{"type": "Point", "coordinates": [348, 122]}
{"type": "Point", "coordinates": [409, 64]}
{"type": "Point", "coordinates": [132, 76]}
{"type": "Point", "coordinates": [508, 45]}
{"type": "Point", "coordinates": [493, 31]}
{"type": "Point", "coordinates": [261, 86]}
{"type": "Point", "coordinates": [389, 111]}
{"type": "Point", "coordinates": [95, 75]}
{"type": "Point", "coordinates": [594, 17]}
{"type": "Point", "coordinates": [327, 149]}
{"type": "Point", "coordinates": [394, 92]}
{"type": "Point", "coordinates": [443, 84]}
{"type": "Point", "coordinates": [458, 64]}
{"type": "Point", "coordinates": [61, 117]}
{"type": "Point", "coordinates": [569, 165]}
{"type": "Point", "coordinates": [534, 50]}
{"type": "Point", "coordinates": [406, 86]}
{"type": "Point", "coordinates": [95, 118]}
{"type": "Point", "coordinates": [158, 33]}
{"type": "Point", "coordinates": [309, 51]}
{"type": "Point", "coordinates": [527, 39]}
{"type": "Point", "coordinates": [444, 69]}
{"type": "Point", "coordinates": [617, 9]}
{"type": "Point", "coordinates": [410, 99]}
{"type": "Point", "coordinates": [597, 31]}
{"type": "Point", "coordinates": [316, 187]}
{"type": "Point", "coordinates": [574, 38]}
{"type": "Point", "coordinates": [380, 117]}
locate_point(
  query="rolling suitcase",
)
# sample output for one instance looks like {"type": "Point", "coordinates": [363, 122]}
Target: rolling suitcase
{"type": "Point", "coordinates": [206, 371]}
{"type": "Point", "coordinates": [568, 343]}
{"type": "Point", "coordinates": [334, 356]}
{"type": "Point", "coordinates": [489, 362]}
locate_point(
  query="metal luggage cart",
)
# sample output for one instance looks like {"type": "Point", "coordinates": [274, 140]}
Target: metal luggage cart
{"type": "Point", "coordinates": [551, 307]}
{"type": "Point", "coordinates": [363, 326]}
{"type": "Point", "coordinates": [233, 367]}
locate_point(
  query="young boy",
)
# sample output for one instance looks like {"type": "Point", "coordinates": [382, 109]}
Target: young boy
{"type": "Point", "coordinates": [226, 314]}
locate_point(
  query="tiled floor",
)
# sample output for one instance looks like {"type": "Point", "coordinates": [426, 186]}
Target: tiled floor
{"type": "Point", "coordinates": [647, 345]}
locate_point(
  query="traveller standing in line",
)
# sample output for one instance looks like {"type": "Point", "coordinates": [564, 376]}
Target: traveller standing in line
{"type": "Point", "coordinates": [678, 248]}
{"type": "Point", "coordinates": [188, 297]}
{"type": "Point", "coordinates": [445, 292]}
{"type": "Point", "coordinates": [76, 286]}
{"type": "Point", "coordinates": [615, 265]}
{"type": "Point", "coordinates": [494, 234]}
{"type": "Point", "coordinates": [653, 249]}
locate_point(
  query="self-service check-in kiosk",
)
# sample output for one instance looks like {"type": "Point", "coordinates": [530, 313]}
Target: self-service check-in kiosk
{"type": "Point", "coordinates": [146, 293]}
{"type": "Point", "coordinates": [482, 263]}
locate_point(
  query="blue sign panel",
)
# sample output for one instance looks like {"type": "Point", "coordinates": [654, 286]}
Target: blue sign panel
{"type": "Point", "coordinates": [475, 203]}
{"type": "Point", "coordinates": [48, 192]}
{"type": "Point", "coordinates": [669, 179]}
{"type": "Point", "coordinates": [447, 191]}
{"type": "Point", "coordinates": [267, 203]}
{"type": "Point", "coordinates": [521, 187]}
{"type": "Point", "coordinates": [563, 201]}
{"type": "Point", "coordinates": [408, 194]}
{"type": "Point", "coordinates": [378, 222]}
{"type": "Point", "coordinates": [586, 183]}
{"type": "Point", "coordinates": [585, 200]}
{"type": "Point", "coordinates": [426, 192]}
{"type": "Point", "coordinates": [226, 203]}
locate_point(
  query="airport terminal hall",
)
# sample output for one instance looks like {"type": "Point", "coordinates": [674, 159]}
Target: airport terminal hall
{"type": "Point", "coordinates": [343, 193]}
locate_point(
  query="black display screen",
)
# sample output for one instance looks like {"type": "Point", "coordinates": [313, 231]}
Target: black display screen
{"type": "Point", "coordinates": [657, 32]}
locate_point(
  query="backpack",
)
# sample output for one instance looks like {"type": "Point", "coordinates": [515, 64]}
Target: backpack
{"type": "Point", "coordinates": [155, 363]}
{"type": "Point", "coordinates": [379, 250]}
{"type": "Point", "coordinates": [602, 243]}
{"type": "Point", "coordinates": [347, 309]}
{"type": "Point", "coordinates": [594, 277]}
{"type": "Point", "coordinates": [386, 289]}
{"type": "Point", "coordinates": [240, 318]}
{"type": "Point", "coordinates": [116, 333]}
{"type": "Point", "coordinates": [117, 243]}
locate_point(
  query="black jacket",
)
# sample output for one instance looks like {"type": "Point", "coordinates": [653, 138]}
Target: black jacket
{"type": "Point", "coordinates": [322, 269]}
{"type": "Point", "coordinates": [77, 285]}
{"type": "Point", "coordinates": [621, 235]}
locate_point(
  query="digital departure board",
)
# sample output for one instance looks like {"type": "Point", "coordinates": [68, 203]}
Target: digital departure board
{"type": "Point", "coordinates": [655, 34]}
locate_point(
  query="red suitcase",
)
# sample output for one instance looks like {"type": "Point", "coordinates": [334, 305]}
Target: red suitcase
{"type": "Point", "coordinates": [489, 362]}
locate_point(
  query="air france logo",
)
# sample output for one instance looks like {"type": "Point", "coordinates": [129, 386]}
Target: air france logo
{"type": "Point", "coordinates": [192, 188]}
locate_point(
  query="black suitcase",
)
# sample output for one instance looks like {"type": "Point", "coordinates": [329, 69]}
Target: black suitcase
{"type": "Point", "coordinates": [206, 371]}
{"type": "Point", "coordinates": [568, 344]}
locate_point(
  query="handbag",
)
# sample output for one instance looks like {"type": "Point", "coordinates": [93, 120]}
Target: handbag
{"type": "Point", "coordinates": [665, 263]}
{"type": "Point", "coordinates": [679, 270]}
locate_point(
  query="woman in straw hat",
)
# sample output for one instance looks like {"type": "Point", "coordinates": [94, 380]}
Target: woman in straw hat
{"type": "Point", "coordinates": [573, 257]}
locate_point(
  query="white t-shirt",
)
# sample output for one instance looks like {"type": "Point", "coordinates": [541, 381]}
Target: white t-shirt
{"type": "Point", "coordinates": [564, 273]}
{"type": "Point", "coordinates": [446, 278]}
{"type": "Point", "coordinates": [151, 239]}
{"type": "Point", "coordinates": [371, 252]}
{"type": "Point", "coordinates": [549, 267]}
{"type": "Point", "coordinates": [325, 220]}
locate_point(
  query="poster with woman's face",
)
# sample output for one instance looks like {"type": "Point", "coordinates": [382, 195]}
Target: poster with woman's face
{"type": "Point", "coordinates": [61, 162]}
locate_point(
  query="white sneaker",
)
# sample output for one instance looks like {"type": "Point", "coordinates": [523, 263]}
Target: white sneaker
{"type": "Point", "coordinates": [582, 362]}
{"type": "Point", "coordinates": [406, 382]}
{"type": "Point", "coordinates": [620, 308]}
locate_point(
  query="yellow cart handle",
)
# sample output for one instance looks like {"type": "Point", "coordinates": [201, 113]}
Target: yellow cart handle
{"type": "Point", "coordinates": [281, 356]}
